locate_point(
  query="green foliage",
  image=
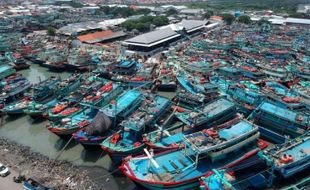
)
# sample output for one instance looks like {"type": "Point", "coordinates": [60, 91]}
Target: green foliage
{"type": "Point", "coordinates": [171, 12]}
{"type": "Point", "coordinates": [208, 14]}
{"type": "Point", "coordinates": [263, 21]}
{"type": "Point", "coordinates": [143, 23]}
{"type": "Point", "coordinates": [76, 4]}
{"type": "Point", "coordinates": [228, 18]}
{"type": "Point", "coordinates": [160, 21]}
{"type": "Point", "coordinates": [244, 19]}
{"type": "Point", "coordinates": [124, 11]}
{"type": "Point", "coordinates": [51, 31]}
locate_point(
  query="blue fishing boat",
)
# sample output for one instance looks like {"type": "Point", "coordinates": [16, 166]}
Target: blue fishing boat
{"type": "Point", "coordinates": [14, 88]}
{"type": "Point", "coordinates": [195, 88]}
{"type": "Point", "coordinates": [129, 140]}
{"type": "Point", "coordinates": [32, 184]}
{"type": "Point", "coordinates": [5, 71]}
{"type": "Point", "coordinates": [17, 107]}
{"type": "Point", "coordinates": [143, 77]}
{"type": "Point", "coordinates": [253, 173]}
{"type": "Point", "coordinates": [181, 169]}
{"type": "Point", "coordinates": [216, 111]}
{"type": "Point", "coordinates": [57, 92]}
{"type": "Point", "coordinates": [278, 123]}
{"type": "Point", "coordinates": [103, 94]}
{"type": "Point", "coordinates": [168, 138]}
{"type": "Point", "coordinates": [231, 73]}
{"type": "Point", "coordinates": [166, 80]}
{"type": "Point", "coordinates": [246, 99]}
{"type": "Point", "coordinates": [274, 72]}
{"type": "Point", "coordinates": [104, 124]}
{"type": "Point", "coordinates": [282, 96]}
{"type": "Point", "coordinates": [291, 157]}
{"type": "Point", "coordinates": [252, 72]}
{"type": "Point", "coordinates": [126, 67]}
{"type": "Point", "coordinates": [70, 104]}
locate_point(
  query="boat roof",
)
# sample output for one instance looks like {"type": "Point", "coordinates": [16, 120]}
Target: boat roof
{"type": "Point", "coordinates": [135, 124]}
{"type": "Point", "coordinates": [201, 142]}
{"type": "Point", "coordinates": [278, 111]}
{"type": "Point", "coordinates": [124, 100]}
{"type": "Point", "coordinates": [217, 107]}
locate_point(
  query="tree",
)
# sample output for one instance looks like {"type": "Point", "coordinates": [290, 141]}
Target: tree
{"type": "Point", "coordinates": [142, 27]}
{"type": "Point", "coordinates": [171, 11]}
{"type": "Point", "coordinates": [160, 21]}
{"type": "Point", "coordinates": [51, 31]}
{"type": "Point", "coordinates": [208, 14]}
{"type": "Point", "coordinates": [263, 21]}
{"type": "Point", "coordinates": [244, 19]}
{"type": "Point", "coordinates": [228, 18]}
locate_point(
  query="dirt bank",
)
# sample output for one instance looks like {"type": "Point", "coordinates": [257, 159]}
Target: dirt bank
{"type": "Point", "coordinates": [54, 173]}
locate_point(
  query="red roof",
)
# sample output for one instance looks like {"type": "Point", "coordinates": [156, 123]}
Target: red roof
{"type": "Point", "coordinates": [96, 35]}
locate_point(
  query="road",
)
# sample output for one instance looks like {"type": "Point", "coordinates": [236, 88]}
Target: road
{"type": "Point", "coordinates": [7, 183]}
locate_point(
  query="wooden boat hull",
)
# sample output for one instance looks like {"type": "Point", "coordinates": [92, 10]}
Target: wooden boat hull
{"type": "Point", "coordinates": [192, 183]}
{"type": "Point", "coordinates": [118, 156]}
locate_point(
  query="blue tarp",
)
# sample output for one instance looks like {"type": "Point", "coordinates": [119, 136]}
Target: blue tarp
{"type": "Point", "coordinates": [236, 130]}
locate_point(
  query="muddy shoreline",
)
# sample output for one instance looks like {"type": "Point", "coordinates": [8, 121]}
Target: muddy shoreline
{"type": "Point", "coordinates": [58, 174]}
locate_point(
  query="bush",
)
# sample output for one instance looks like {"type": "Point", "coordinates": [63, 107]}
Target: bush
{"type": "Point", "coordinates": [228, 18]}
{"type": "Point", "coordinates": [244, 19]}
{"type": "Point", "coordinates": [51, 31]}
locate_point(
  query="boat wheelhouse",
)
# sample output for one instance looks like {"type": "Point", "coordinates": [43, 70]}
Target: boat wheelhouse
{"type": "Point", "coordinates": [129, 140]}
{"type": "Point", "coordinates": [277, 123]}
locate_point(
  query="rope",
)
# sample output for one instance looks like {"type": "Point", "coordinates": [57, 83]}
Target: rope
{"type": "Point", "coordinates": [64, 148]}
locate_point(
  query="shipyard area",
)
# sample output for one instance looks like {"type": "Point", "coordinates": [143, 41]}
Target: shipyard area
{"type": "Point", "coordinates": [137, 95]}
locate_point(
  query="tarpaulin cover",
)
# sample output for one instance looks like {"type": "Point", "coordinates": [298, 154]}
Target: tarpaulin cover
{"type": "Point", "coordinates": [99, 125]}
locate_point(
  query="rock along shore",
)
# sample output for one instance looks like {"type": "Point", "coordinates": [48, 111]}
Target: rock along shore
{"type": "Point", "coordinates": [58, 174]}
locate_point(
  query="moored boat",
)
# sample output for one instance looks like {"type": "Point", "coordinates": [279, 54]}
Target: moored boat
{"type": "Point", "coordinates": [291, 157]}
{"type": "Point", "coordinates": [107, 119]}
{"type": "Point", "coordinates": [278, 123]}
{"type": "Point", "coordinates": [128, 141]}
{"type": "Point", "coordinates": [181, 169]}
{"type": "Point", "coordinates": [103, 95]}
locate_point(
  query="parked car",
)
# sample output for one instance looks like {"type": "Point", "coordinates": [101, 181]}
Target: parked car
{"type": "Point", "coordinates": [4, 171]}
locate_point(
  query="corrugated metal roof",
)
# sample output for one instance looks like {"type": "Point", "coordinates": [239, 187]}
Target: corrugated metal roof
{"type": "Point", "coordinates": [165, 32]}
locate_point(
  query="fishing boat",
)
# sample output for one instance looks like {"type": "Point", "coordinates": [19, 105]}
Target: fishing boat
{"type": "Point", "coordinates": [219, 110]}
{"type": "Point", "coordinates": [166, 80]}
{"type": "Point", "coordinates": [253, 173]}
{"type": "Point", "coordinates": [109, 115]}
{"type": "Point", "coordinates": [61, 89]}
{"type": "Point", "coordinates": [231, 73]}
{"type": "Point", "coordinates": [129, 140]}
{"type": "Point", "coordinates": [278, 123]}
{"type": "Point", "coordinates": [246, 99]}
{"type": "Point", "coordinates": [168, 138]}
{"type": "Point", "coordinates": [252, 72]}
{"type": "Point", "coordinates": [303, 90]}
{"type": "Point", "coordinates": [32, 184]}
{"type": "Point", "coordinates": [274, 72]}
{"type": "Point", "coordinates": [70, 104]}
{"type": "Point", "coordinates": [55, 62]}
{"type": "Point", "coordinates": [291, 157]}
{"type": "Point", "coordinates": [106, 92]}
{"type": "Point", "coordinates": [143, 77]}
{"type": "Point", "coordinates": [17, 107]}
{"type": "Point", "coordinates": [282, 96]}
{"type": "Point", "coordinates": [79, 61]}
{"type": "Point", "coordinates": [126, 67]}
{"type": "Point", "coordinates": [6, 70]}
{"type": "Point", "coordinates": [182, 168]}
{"type": "Point", "coordinates": [20, 64]}
{"type": "Point", "coordinates": [14, 88]}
